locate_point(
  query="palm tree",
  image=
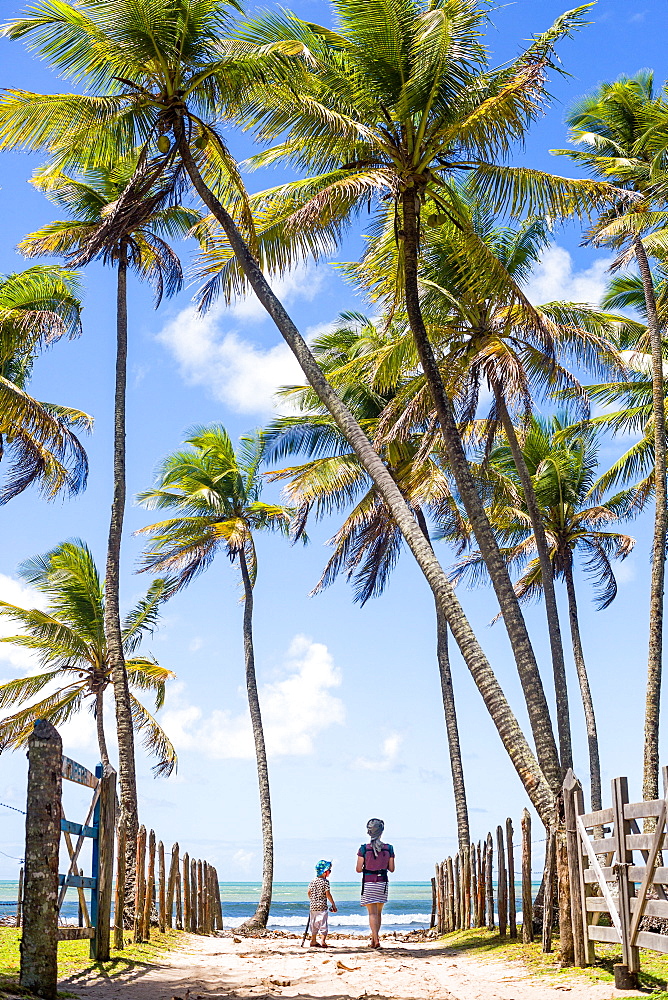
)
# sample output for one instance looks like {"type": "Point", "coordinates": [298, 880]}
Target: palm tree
{"type": "Point", "coordinates": [368, 544]}
{"type": "Point", "coordinates": [397, 100]}
{"type": "Point", "coordinates": [612, 130]}
{"type": "Point", "coordinates": [87, 198]}
{"type": "Point", "coordinates": [160, 68]}
{"type": "Point", "coordinates": [70, 643]}
{"type": "Point", "coordinates": [562, 464]}
{"type": "Point", "coordinates": [215, 493]}
{"type": "Point", "coordinates": [487, 335]}
{"type": "Point", "coordinates": [37, 307]}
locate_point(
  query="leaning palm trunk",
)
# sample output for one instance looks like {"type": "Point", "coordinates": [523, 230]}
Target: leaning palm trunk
{"type": "Point", "coordinates": [261, 915]}
{"type": "Point", "coordinates": [456, 767]}
{"type": "Point", "coordinates": [112, 618]}
{"type": "Point", "coordinates": [650, 788]}
{"type": "Point", "coordinates": [587, 702]}
{"type": "Point", "coordinates": [513, 739]}
{"type": "Point", "coordinates": [547, 575]}
{"type": "Point", "coordinates": [532, 686]}
{"type": "Point", "coordinates": [99, 725]}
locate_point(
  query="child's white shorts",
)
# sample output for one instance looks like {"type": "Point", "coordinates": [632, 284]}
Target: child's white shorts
{"type": "Point", "coordinates": [319, 924]}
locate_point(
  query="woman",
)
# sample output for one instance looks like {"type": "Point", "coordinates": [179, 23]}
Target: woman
{"type": "Point", "coordinates": [374, 861]}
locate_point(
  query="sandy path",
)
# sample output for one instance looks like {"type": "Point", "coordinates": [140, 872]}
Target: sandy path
{"type": "Point", "coordinates": [271, 968]}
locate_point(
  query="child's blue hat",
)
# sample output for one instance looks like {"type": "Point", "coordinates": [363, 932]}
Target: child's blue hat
{"type": "Point", "coordinates": [322, 866]}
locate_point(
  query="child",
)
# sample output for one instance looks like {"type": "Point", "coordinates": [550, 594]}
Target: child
{"type": "Point", "coordinates": [319, 894]}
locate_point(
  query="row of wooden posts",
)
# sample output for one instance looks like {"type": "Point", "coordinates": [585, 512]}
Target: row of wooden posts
{"type": "Point", "coordinates": [187, 897]}
{"type": "Point", "coordinates": [463, 887]}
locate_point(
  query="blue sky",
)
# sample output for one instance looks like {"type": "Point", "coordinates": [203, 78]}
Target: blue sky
{"type": "Point", "coordinates": [351, 697]}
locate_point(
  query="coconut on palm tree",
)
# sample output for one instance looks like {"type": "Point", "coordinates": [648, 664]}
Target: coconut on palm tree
{"type": "Point", "coordinates": [142, 246]}
{"type": "Point", "coordinates": [215, 494]}
{"type": "Point", "coordinates": [576, 517]}
{"type": "Point", "coordinates": [68, 639]}
{"type": "Point", "coordinates": [37, 307]}
{"type": "Point", "coordinates": [614, 134]}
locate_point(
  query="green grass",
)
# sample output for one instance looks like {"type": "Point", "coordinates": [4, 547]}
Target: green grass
{"type": "Point", "coordinates": [653, 966]}
{"type": "Point", "coordinates": [74, 963]}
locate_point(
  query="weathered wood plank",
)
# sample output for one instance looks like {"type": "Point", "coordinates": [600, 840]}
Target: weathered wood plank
{"type": "Point", "coordinates": [120, 888]}
{"type": "Point", "coordinates": [656, 942]}
{"type": "Point", "coordinates": [590, 875]}
{"type": "Point", "coordinates": [604, 845]}
{"type": "Point", "coordinates": [598, 933]}
{"type": "Point", "coordinates": [659, 877]}
{"type": "Point", "coordinates": [653, 907]}
{"type": "Point", "coordinates": [78, 773]}
{"type": "Point", "coordinates": [597, 904]}
{"type": "Point", "coordinates": [76, 933]}
{"type": "Point", "coordinates": [598, 818]}
{"type": "Point", "coordinates": [638, 810]}
{"type": "Point", "coordinates": [643, 842]}
{"type": "Point", "coordinates": [67, 826]}
{"type": "Point", "coordinates": [74, 881]}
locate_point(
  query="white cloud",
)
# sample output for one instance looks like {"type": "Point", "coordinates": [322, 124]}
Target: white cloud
{"type": "Point", "coordinates": [295, 709]}
{"type": "Point", "coordinates": [14, 592]}
{"type": "Point", "coordinates": [234, 369]}
{"type": "Point", "coordinates": [242, 859]}
{"type": "Point", "coordinates": [387, 758]}
{"type": "Point", "coordinates": [554, 278]}
{"type": "Point", "coordinates": [195, 644]}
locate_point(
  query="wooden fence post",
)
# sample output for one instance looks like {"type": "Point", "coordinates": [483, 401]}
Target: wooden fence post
{"type": "Point", "coordinates": [194, 901]}
{"type": "Point", "coordinates": [19, 898]}
{"type": "Point", "coordinates": [200, 899]}
{"type": "Point", "coordinates": [451, 895]}
{"type": "Point", "coordinates": [140, 883]}
{"type": "Point", "coordinates": [548, 886]}
{"type": "Point", "coordinates": [474, 886]}
{"type": "Point", "coordinates": [171, 885]}
{"type": "Point", "coordinates": [178, 905]}
{"type": "Point", "coordinates": [457, 893]}
{"type": "Point", "coordinates": [219, 904]}
{"type": "Point", "coordinates": [162, 890]}
{"type": "Point", "coordinates": [120, 884]}
{"type": "Point", "coordinates": [467, 887]}
{"type": "Point", "coordinates": [527, 900]}
{"type": "Point", "coordinates": [150, 888]}
{"type": "Point", "coordinates": [99, 945]}
{"type": "Point", "coordinates": [432, 921]}
{"type": "Point", "coordinates": [502, 883]}
{"type": "Point", "coordinates": [626, 973]}
{"type": "Point", "coordinates": [489, 888]}
{"type": "Point", "coordinates": [482, 849]}
{"type": "Point", "coordinates": [510, 858]}
{"type": "Point", "coordinates": [39, 941]}
{"type": "Point", "coordinates": [574, 853]}
{"type": "Point", "coordinates": [186, 892]}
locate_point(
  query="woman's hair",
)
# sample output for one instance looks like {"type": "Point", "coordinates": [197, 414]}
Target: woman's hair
{"type": "Point", "coordinates": [375, 829]}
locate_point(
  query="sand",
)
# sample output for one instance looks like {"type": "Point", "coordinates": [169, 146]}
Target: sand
{"type": "Point", "coordinates": [263, 968]}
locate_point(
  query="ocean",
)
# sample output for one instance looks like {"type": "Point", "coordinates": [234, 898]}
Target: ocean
{"type": "Point", "coordinates": [408, 907]}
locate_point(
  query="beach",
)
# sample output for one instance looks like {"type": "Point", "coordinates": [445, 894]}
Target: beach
{"type": "Point", "coordinates": [273, 967]}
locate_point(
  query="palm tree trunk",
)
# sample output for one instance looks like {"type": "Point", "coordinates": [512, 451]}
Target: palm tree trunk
{"type": "Point", "coordinates": [261, 915]}
{"type": "Point", "coordinates": [532, 685]}
{"type": "Point", "coordinates": [450, 712]}
{"type": "Point", "coordinates": [456, 767]}
{"type": "Point", "coordinates": [587, 702]}
{"type": "Point", "coordinates": [650, 787]}
{"type": "Point", "coordinates": [99, 725]}
{"type": "Point", "coordinates": [513, 739]}
{"type": "Point", "coordinates": [112, 618]}
{"type": "Point", "coordinates": [547, 575]}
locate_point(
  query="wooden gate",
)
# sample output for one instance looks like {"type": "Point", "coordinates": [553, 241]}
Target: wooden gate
{"type": "Point", "coordinates": [607, 878]}
{"type": "Point", "coordinates": [99, 825]}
